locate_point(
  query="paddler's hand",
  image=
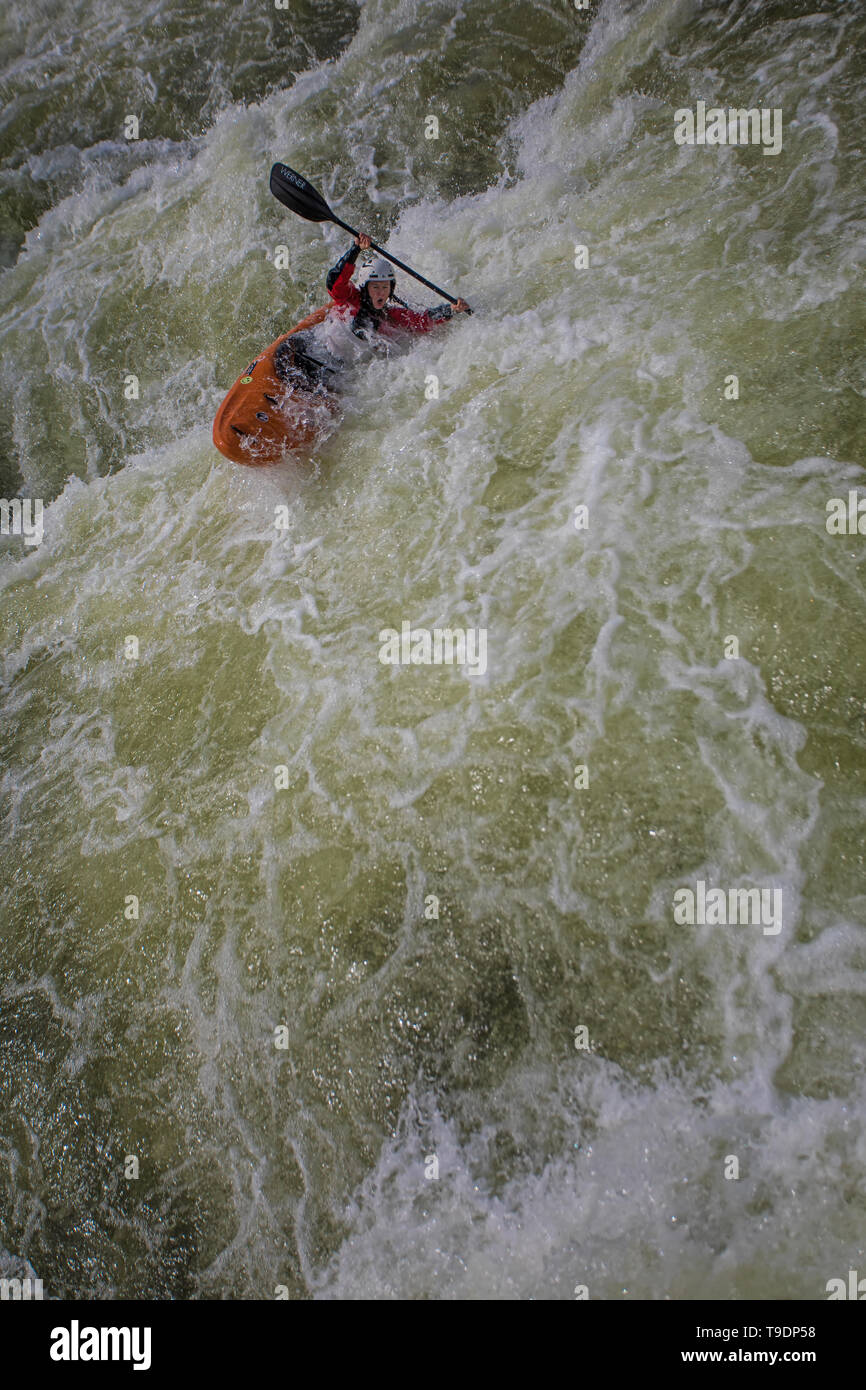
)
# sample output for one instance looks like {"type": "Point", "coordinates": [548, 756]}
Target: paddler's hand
{"type": "Point", "coordinates": [461, 307]}
{"type": "Point", "coordinates": [363, 241]}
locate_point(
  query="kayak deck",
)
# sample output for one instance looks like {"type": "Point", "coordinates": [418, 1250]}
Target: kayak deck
{"type": "Point", "coordinates": [262, 420]}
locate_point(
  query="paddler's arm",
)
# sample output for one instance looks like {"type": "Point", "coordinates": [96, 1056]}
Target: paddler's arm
{"type": "Point", "coordinates": [339, 281]}
{"type": "Point", "coordinates": [428, 318]}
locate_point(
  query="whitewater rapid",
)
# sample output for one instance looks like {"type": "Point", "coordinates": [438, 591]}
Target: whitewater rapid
{"type": "Point", "coordinates": [287, 923]}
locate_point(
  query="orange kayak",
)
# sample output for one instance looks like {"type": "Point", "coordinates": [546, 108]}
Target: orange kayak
{"type": "Point", "coordinates": [265, 416]}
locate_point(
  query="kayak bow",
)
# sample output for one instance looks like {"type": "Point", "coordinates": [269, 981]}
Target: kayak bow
{"type": "Point", "coordinates": [263, 419]}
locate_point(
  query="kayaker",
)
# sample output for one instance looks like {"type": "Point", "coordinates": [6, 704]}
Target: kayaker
{"type": "Point", "coordinates": [371, 303]}
{"type": "Point", "coordinates": [367, 308]}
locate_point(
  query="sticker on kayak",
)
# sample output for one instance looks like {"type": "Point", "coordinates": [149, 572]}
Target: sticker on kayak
{"type": "Point", "coordinates": [245, 380]}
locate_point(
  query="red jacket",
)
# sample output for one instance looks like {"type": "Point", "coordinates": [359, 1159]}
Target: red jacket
{"type": "Point", "coordinates": [347, 300]}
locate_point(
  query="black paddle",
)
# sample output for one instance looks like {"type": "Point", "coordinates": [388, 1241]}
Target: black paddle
{"type": "Point", "coordinates": [302, 198]}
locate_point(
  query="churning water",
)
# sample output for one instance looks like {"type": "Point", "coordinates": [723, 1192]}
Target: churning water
{"type": "Point", "coordinates": [414, 1016]}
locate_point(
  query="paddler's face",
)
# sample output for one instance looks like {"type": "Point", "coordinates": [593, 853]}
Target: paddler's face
{"type": "Point", "coordinates": [379, 293]}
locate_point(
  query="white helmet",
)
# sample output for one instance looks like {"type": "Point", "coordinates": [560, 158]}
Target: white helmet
{"type": "Point", "coordinates": [376, 270]}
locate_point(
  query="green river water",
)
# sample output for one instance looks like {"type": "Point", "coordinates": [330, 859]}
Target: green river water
{"type": "Point", "coordinates": [407, 1036]}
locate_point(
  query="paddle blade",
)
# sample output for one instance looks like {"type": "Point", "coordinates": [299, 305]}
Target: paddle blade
{"type": "Point", "coordinates": [293, 190]}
